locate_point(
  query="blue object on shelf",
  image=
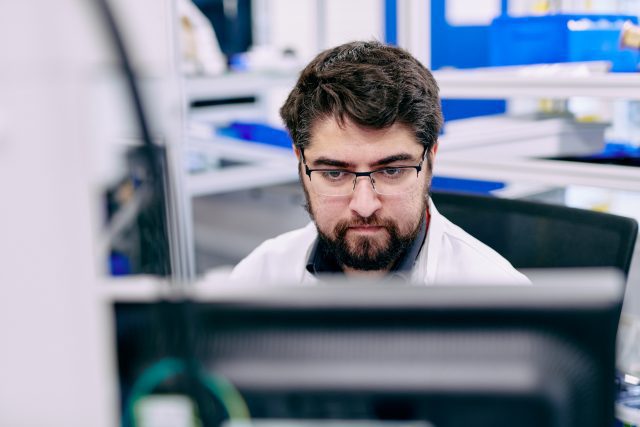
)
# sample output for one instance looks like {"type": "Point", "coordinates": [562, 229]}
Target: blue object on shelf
{"type": "Point", "coordinates": [617, 150]}
{"type": "Point", "coordinates": [614, 153]}
{"type": "Point", "coordinates": [460, 185]}
{"type": "Point", "coordinates": [456, 109]}
{"type": "Point", "coordinates": [119, 264]}
{"type": "Point", "coordinates": [258, 132]}
{"type": "Point", "coordinates": [620, 149]}
{"type": "Point", "coordinates": [560, 38]}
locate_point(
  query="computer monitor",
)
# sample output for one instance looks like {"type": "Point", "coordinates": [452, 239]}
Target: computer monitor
{"type": "Point", "coordinates": [540, 355]}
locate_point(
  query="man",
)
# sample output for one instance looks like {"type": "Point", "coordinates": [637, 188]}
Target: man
{"type": "Point", "coordinates": [365, 119]}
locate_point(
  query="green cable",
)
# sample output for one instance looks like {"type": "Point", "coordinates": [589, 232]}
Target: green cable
{"type": "Point", "coordinates": [231, 399]}
{"type": "Point", "coordinates": [148, 381]}
{"type": "Point", "coordinates": [223, 390]}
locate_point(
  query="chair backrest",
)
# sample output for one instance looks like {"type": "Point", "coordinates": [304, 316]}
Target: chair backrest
{"type": "Point", "coordinates": [539, 235]}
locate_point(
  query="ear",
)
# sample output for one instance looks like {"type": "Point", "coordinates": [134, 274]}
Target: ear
{"type": "Point", "coordinates": [297, 152]}
{"type": "Point", "coordinates": [434, 150]}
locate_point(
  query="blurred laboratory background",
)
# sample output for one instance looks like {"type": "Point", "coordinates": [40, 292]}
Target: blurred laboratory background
{"type": "Point", "coordinates": [141, 151]}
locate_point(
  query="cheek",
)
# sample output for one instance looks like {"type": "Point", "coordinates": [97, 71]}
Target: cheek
{"type": "Point", "coordinates": [328, 211]}
{"type": "Point", "coordinates": [406, 210]}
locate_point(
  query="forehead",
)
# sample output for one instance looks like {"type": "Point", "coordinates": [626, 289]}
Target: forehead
{"type": "Point", "coordinates": [356, 144]}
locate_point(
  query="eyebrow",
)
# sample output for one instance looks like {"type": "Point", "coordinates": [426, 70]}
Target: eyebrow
{"type": "Point", "coordinates": [326, 161]}
{"type": "Point", "coordinates": [393, 158]}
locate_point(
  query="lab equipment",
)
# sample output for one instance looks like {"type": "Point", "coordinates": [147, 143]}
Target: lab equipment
{"type": "Point", "coordinates": [536, 355]}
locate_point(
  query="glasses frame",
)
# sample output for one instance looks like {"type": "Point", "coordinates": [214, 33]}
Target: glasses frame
{"type": "Point", "coordinates": [356, 175]}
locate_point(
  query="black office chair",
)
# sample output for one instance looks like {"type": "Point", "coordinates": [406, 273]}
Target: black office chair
{"type": "Point", "coordinates": [538, 235]}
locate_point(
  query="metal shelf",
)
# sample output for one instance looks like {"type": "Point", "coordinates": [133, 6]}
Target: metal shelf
{"type": "Point", "coordinates": [565, 80]}
{"type": "Point", "coordinates": [537, 171]}
{"type": "Point", "coordinates": [241, 178]}
{"type": "Point", "coordinates": [233, 85]}
{"type": "Point", "coordinates": [240, 150]}
{"type": "Point", "coordinates": [539, 81]}
{"type": "Point", "coordinates": [265, 165]}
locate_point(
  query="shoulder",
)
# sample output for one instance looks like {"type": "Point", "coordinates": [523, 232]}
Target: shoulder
{"type": "Point", "coordinates": [463, 258]}
{"type": "Point", "coordinates": [280, 259]}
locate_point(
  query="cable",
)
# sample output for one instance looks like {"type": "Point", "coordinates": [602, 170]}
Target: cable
{"type": "Point", "coordinates": [151, 150]}
{"type": "Point", "coordinates": [229, 396]}
{"type": "Point", "coordinates": [156, 374]}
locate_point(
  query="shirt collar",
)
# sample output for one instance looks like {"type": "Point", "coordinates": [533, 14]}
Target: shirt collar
{"type": "Point", "coordinates": [322, 261]}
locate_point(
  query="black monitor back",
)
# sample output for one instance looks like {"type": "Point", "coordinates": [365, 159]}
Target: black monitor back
{"type": "Point", "coordinates": [539, 235]}
{"type": "Point", "coordinates": [452, 356]}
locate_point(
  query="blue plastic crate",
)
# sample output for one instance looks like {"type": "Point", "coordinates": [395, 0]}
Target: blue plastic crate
{"type": "Point", "coordinates": [600, 40]}
{"type": "Point", "coordinates": [559, 38]}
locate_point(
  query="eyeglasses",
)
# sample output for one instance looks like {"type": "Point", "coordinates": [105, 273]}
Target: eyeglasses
{"type": "Point", "coordinates": [386, 181]}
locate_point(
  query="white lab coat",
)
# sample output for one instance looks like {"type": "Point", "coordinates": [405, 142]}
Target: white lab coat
{"type": "Point", "coordinates": [448, 256]}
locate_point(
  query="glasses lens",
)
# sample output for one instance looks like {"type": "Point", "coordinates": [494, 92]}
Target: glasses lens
{"type": "Point", "coordinates": [332, 183]}
{"type": "Point", "coordinates": [387, 181]}
{"type": "Point", "coordinates": [394, 180]}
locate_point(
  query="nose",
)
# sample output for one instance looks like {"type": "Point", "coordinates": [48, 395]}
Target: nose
{"type": "Point", "coordinates": [364, 200]}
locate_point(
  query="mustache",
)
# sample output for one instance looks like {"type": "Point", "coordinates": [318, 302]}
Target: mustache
{"type": "Point", "coordinates": [372, 220]}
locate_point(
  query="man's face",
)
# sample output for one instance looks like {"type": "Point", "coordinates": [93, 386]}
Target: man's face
{"type": "Point", "coordinates": [365, 230]}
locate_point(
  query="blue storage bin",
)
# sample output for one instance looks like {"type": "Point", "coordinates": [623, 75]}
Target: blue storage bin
{"type": "Point", "coordinates": [462, 185]}
{"type": "Point", "coordinates": [591, 40]}
{"type": "Point", "coordinates": [258, 132]}
{"type": "Point", "coordinates": [560, 38]}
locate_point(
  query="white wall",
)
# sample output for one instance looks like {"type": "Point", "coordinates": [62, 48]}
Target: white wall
{"type": "Point", "coordinates": [312, 25]}
{"type": "Point", "coordinates": [353, 20]}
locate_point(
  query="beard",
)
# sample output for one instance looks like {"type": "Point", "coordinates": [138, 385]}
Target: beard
{"type": "Point", "coordinates": [369, 253]}
{"type": "Point", "coordinates": [365, 252]}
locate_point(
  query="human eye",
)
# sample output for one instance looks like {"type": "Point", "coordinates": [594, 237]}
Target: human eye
{"type": "Point", "coordinates": [392, 173]}
{"type": "Point", "coordinates": [334, 175]}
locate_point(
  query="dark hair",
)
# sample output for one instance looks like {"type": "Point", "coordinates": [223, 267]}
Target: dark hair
{"type": "Point", "coordinates": [368, 83]}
